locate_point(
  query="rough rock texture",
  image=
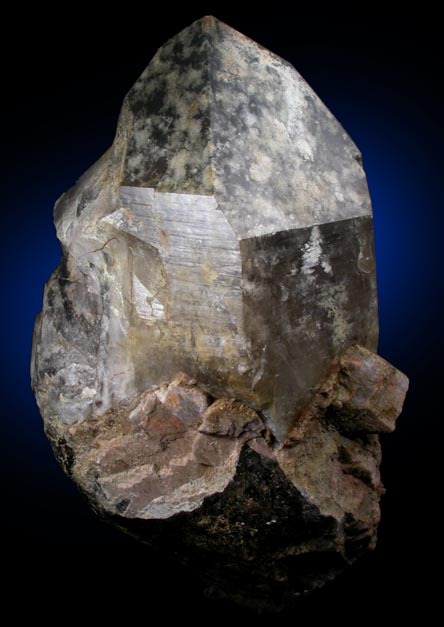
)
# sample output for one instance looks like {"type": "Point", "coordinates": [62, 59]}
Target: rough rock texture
{"type": "Point", "coordinates": [204, 361]}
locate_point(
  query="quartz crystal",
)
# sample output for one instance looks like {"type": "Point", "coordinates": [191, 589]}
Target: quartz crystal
{"type": "Point", "coordinates": [205, 358]}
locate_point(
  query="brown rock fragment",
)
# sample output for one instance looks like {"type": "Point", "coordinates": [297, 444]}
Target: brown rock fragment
{"type": "Point", "coordinates": [231, 418]}
{"type": "Point", "coordinates": [369, 393]}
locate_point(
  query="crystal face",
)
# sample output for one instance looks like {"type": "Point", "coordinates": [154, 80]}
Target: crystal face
{"type": "Point", "coordinates": [205, 352]}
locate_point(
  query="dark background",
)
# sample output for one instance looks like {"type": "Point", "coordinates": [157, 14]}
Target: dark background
{"type": "Point", "coordinates": [64, 79]}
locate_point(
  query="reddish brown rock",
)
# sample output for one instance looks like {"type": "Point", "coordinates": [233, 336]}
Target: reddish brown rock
{"type": "Point", "coordinates": [363, 394]}
{"type": "Point", "coordinates": [232, 419]}
{"type": "Point", "coordinates": [369, 395]}
{"type": "Point", "coordinates": [205, 479]}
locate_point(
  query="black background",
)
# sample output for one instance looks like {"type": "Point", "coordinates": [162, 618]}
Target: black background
{"type": "Point", "coordinates": [65, 76]}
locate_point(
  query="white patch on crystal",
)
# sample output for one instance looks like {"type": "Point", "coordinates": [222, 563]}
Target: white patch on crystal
{"type": "Point", "coordinates": [121, 219]}
{"type": "Point", "coordinates": [304, 148]}
{"type": "Point", "coordinates": [334, 299]}
{"type": "Point", "coordinates": [313, 255]}
{"type": "Point", "coordinates": [146, 304]}
{"type": "Point", "coordinates": [312, 252]}
{"type": "Point", "coordinates": [326, 266]}
{"type": "Point", "coordinates": [260, 170]}
{"type": "Point", "coordinates": [88, 393]}
{"type": "Point", "coordinates": [339, 196]}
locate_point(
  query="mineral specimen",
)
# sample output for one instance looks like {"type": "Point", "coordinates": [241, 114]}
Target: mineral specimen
{"type": "Point", "coordinates": [204, 361]}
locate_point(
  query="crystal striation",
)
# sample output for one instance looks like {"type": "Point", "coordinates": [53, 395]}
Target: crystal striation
{"type": "Point", "coordinates": [205, 358]}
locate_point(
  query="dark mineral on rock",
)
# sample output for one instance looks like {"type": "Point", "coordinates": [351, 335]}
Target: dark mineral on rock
{"type": "Point", "coordinates": [205, 358]}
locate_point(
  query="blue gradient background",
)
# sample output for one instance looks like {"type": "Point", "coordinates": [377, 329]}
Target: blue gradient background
{"type": "Point", "coordinates": [384, 89]}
